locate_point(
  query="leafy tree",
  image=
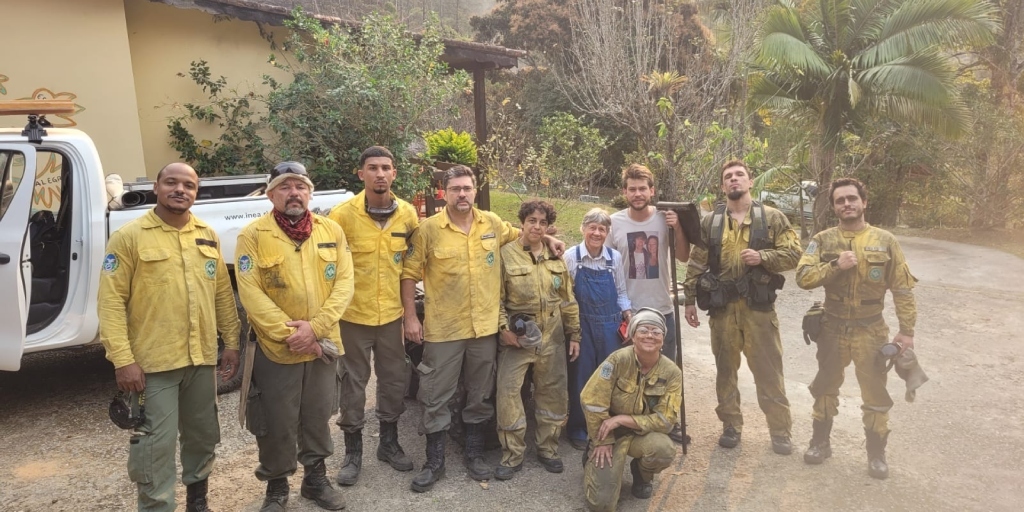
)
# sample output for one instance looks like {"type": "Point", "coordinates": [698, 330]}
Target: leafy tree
{"type": "Point", "coordinates": [834, 64]}
{"type": "Point", "coordinates": [570, 154]}
{"type": "Point", "coordinates": [239, 148]}
{"type": "Point", "coordinates": [357, 87]}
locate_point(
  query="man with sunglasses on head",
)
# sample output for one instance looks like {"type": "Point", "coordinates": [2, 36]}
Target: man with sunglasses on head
{"type": "Point", "coordinates": [856, 263]}
{"type": "Point", "coordinates": [457, 255]}
{"type": "Point", "coordinates": [378, 225]}
{"type": "Point", "coordinates": [294, 274]}
{"type": "Point", "coordinates": [164, 295]}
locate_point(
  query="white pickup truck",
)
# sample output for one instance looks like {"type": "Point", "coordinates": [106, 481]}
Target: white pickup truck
{"type": "Point", "coordinates": [54, 224]}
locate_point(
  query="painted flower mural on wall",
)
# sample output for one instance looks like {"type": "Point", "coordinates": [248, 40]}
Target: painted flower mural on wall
{"type": "Point", "coordinates": [43, 93]}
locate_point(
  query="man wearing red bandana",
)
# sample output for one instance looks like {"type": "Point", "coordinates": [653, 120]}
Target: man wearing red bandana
{"type": "Point", "coordinates": [294, 275]}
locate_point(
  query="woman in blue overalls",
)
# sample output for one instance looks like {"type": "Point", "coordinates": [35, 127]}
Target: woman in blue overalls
{"type": "Point", "coordinates": [599, 284]}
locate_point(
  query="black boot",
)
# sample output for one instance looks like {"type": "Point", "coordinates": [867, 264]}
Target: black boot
{"type": "Point", "coordinates": [353, 462]}
{"type": "Point", "coordinates": [195, 497]}
{"type": "Point", "coordinates": [473, 456]}
{"type": "Point", "coordinates": [641, 489]}
{"type": "Point", "coordinates": [388, 450]}
{"type": "Point", "coordinates": [433, 470]}
{"type": "Point", "coordinates": [277, 495]}
{"type": "Point", "coordinates": [877, 467]}
{"type": "Point", "coordinates": [729, 438]}
{"type": "Point", "coordinates": [317, 487]}
{"type": "Point", "coordinates": [820, 448]}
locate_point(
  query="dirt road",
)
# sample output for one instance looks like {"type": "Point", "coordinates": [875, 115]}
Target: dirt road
{"type": "Point", "coordinates": [960, 446]}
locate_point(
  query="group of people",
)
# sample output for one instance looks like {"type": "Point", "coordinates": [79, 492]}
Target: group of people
{"type": "Point", "coordinates": [593, 326]}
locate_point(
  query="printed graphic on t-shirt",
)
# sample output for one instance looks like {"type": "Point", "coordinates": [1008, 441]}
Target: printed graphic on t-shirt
{"type": "Point", "coordinates": [642, 257]}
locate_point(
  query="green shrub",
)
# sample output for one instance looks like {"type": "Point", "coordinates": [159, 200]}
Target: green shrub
{"type": "Point", "coordinates": [450, 146]}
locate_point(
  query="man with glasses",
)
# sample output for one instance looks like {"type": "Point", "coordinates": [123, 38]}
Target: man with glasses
{"type": "Point", "coordinates": [456, 253]}
{"type": "Point", "coordinates": [748, 247]}
{"type": "Point", "coordinates": [856, 263]}
{"type": "Point", "coordinates": [631, 402]}
{"type": "Point", "coordinates": [377, 225]}
{"type": "Point", "coordinates": [294, 273]}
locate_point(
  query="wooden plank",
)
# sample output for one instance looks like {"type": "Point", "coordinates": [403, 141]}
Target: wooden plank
{"type": "Point", "coordinates": [38, 107]}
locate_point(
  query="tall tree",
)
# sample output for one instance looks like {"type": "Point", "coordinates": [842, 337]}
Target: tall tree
{"type": "Point", "coordinates": [834, 63]}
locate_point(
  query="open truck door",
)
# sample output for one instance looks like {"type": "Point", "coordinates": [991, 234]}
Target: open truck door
{"type": "Point", "coordinates": [17, 176]}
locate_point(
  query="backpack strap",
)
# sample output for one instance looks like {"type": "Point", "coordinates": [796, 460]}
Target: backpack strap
{"type": "Point", "coordinates": [758, 228]}
{"type": "Point", "coordinates": [715, 245]}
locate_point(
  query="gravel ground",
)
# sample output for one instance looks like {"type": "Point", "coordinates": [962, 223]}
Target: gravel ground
{"type": "Point", "coordinates": [958, 447]}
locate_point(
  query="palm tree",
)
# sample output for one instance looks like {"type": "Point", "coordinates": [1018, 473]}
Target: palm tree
{"type": "Point", "coordinates": [836, 63]}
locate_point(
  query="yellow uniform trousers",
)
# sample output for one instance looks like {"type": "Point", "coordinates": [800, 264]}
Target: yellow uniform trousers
{"type": "Point", "coordinates": [735, 330]}
{"type": "Point", "coordinates": [601, 487]}
{"type": "Point", "coordinates": [843, 341]}
{"type": "Point", "coordinates": [550, 393]}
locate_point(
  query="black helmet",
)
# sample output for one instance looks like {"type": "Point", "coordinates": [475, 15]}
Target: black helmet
{"type": "Point", "coordinates": [120, 411]}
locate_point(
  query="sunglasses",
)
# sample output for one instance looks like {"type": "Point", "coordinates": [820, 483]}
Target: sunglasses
{"type": "Point", "coordinates": [288, 168]}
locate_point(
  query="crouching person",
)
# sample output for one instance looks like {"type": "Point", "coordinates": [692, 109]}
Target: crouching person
{"type": "Point", "coordinates": [630, 404]}
{"type": "Point", "coordinates": [294, 275]}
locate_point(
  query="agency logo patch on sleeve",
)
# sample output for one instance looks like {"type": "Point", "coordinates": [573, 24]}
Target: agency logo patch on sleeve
{"type": "Point", "coordinates": [110, 263]}
{"type": "Point", "coordinates": [330, 271]}
{"type": "Point", "coordinates": [244, 264]}
{"type": "Point", "coordinates": [606, 370]}
{"type": "Point", "coordinates": [211, 268]}
{"type": "Point", "coordinates": [812, 248]}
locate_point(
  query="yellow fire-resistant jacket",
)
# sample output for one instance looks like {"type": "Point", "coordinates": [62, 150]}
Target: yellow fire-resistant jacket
{"type": "Point", "coordinates": [461, 274]}
{"type": "Point", "coordinates": [164, 294]}
{"type": "Point", "coordinates": [618, 387]}
{"type": "Point", "coordinates": [736, 238]}
{"type": "Point", "coordinates": [542, 289]}
{"type": "Point", "coordinates": [279, 282]}
{"type": "Point", "coordinates": [859, 292]}
{"type": "Point", "coordinates": [377, 256]}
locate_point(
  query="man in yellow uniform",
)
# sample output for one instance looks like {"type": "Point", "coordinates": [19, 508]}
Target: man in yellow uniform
{"type": "Point", "coordinates": [856, 263]}
{"type": "Point", "coordinates": [534, 283]}
{"type": "Point", "coordinates": [294, 273]}
{"type": "Point", "coordinates": [456, 253]}
{"type": "Point", "coordinates": [631, 403]}
{"type": "Point", "coordinates": [377, 225]}
{"type": "Point", "coordinates": [164, 294]}
{"type": "Point", "coordinates": [735, 279]}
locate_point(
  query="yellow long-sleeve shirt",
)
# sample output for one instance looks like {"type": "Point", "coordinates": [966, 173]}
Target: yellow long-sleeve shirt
{"type": "Point", "coordinates": [461, 274]}
{"type": "Point", "coordinates": [618, 387]}
{"type": "Point", "coordinates": [279, 282]}
{"type": "Point", "coordinates": [859, 292]}
{"type": "Point", "coordinates": [377, 256]}
{"type": "Point", "coordinates": [541, 288]}
{"type": "Point", "coordinates": [735, 238]}
{"type": "Point", "coordinates": [164, 295]}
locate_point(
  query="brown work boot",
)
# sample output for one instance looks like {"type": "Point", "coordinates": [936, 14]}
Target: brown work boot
{"type": "Point", "coordinates": [388, 449]}
{"type": "Point", "coordinates": [195, 497]}
{"type": "Point", "coordinates": [820, 448]}
{"type": "Point", "coordinates": [353, 462]}
{"type": "Point", "coordinates": [317, 487]}
{"type": "Point", "coordinates": [277, 496]}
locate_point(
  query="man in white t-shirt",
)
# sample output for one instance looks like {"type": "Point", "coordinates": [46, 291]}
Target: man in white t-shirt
{"type": "Point", "coordinates": [635, 233]}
